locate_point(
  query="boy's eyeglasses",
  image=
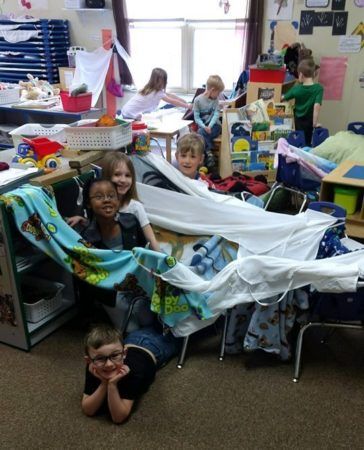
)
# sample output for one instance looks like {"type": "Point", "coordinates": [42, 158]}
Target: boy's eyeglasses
{"type": "Point", "coordinates": [116, 357]}
{"type": "Point", "coordinates": [100, 197]}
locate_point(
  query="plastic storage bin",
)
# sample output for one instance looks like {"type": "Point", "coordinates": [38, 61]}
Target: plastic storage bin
{"type": "Point", "coordinates": [85, 136]}
{"type": "Point", "coordinates": [40, 297]}
{"type": "Point", "coordinates": [79, 103]}
{"type": "Point", "coordinates": [140, 136]}
{"type": "Point", "coordinates": [347, 198]}
{"type": "Point", "coordinates": [32, 130]}
{"type": "Point", "coordinates": [9, 96]}
{"type": "Point", "coordinates": [257, 75]}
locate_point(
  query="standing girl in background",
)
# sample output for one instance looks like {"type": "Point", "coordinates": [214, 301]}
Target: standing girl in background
{"type": "Point", "coordinates": [118, 168]}
{"type": "Point", "coordinates": [147, 100]}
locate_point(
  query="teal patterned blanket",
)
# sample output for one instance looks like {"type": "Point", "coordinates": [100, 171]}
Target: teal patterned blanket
{"type": "Point", "coordinates": [38, 220]}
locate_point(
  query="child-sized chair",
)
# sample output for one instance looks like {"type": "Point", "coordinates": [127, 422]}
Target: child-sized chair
{"type": "Point", "coordinates": [319, 135]}
{"type": "Point", "coordinates": [342, 310]}
{"type": "Point", "coordinates": [292, 186]}
{"type": "Point", "coordinates": [356, 127]}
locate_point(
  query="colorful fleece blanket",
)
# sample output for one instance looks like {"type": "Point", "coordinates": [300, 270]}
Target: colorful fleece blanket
{"type": "Point", "coordinates": [38, 220]}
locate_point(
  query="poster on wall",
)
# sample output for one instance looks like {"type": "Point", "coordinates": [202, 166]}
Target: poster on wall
{"type": "Point", "coordinates": [338, 5]}
{"type": "Point", "coordinates": [306, 22]}
{"type": "Point", "coordinates": [359, 30]}
{"type": "Point", "coordinates": [285, 33]}
{"type": "Point", "coordinates": [279, 9]}
{"type": "Point", "coordinates": [317, 3]}
{"type": "Point", "coordinates": [323, 19]}
{"type": "Point", "coordinates": [349, 44]}
{"type": "Point", "coordinates": [340, 23]}
{"type": "Point", "coordinates": [333, 85]}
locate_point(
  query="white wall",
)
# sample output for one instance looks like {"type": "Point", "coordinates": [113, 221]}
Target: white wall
{"type": "Point", "coordinates": [334, 115]}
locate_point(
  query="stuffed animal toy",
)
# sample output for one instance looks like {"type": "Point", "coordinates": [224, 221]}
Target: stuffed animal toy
{"type": "Point", "coordinates": [36, 89]}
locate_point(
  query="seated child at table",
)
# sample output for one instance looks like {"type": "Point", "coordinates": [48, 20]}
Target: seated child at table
{"type": "Point", "coordinates": [118, 373]}
{"type": "Point", "coordinates": [206, 114]}
{"type": "Point", "coordinates": [147, 100]}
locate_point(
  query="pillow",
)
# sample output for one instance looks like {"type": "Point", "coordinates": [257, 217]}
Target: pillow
{"type": "Point", "coordinates": [344, 145]}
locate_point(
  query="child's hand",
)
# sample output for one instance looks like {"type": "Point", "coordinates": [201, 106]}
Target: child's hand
{"type": "Point", "coordinates": [122, 372]}
{"type": "Point", "coordinates": [208, 130]}
{"type": "Point", "coordinates": [189, 105]}
{"type": "Point", "coordinates": [93, 370]}
{"type": "Point", "coordinates": [75, 220]}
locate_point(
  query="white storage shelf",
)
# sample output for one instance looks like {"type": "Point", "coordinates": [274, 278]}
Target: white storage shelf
{"type": "Point", "coordinates": [44, 274]}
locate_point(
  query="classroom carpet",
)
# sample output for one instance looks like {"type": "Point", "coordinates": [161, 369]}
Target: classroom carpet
{"type": "Point", "coordinates": [247, 401]}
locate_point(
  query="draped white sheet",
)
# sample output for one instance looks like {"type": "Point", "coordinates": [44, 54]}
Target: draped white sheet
{"type": "Point", "coordinates": [276, 251]}
{"type": "Point", "coordinates": [256, 278]}
{"type": "Point", "coordinates": [255, 230]}
{"type": "Point", "coordinates": [91, 69]}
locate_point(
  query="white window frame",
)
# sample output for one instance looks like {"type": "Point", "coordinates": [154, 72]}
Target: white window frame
{"type": "Point", "coordinates": [188, 28]}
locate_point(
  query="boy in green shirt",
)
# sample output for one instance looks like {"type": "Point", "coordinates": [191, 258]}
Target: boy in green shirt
{"type": "Point", "coordinates": [308, 99]}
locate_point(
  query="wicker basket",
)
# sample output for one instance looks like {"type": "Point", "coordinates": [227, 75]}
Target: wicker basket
{"type": "Point", "coordinates": [32, 130]}
{"type": "Point", "coordinates": [88, 137]}
{"type": "Point", "coordinates": [9, 96]}
{"type": "Point", "coordinates": [40, 309]}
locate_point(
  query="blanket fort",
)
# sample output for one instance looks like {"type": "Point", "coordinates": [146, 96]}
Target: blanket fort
{"type": "Point", "coordinates": [190, 298]}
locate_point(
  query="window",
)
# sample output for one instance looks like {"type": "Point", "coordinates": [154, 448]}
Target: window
{"type": "Point", "coordinates": [189, 39]}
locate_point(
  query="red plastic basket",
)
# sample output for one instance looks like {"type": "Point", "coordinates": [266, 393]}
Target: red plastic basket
{"type": "Point", "coordinates": [266, 75]}
{"type": "Point", "coordinates": [79, 103]}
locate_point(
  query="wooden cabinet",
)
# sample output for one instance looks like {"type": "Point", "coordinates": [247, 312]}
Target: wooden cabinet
{"type": "Point", "coordinates": [349, 174]}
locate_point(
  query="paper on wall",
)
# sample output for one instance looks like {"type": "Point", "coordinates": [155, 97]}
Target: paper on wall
{"type": "Point", "coordinates": [349, 44]}
{"type": "Point", "coordinates": [284, 33]}
{"type": "Point", "coordinates": [332, 75]}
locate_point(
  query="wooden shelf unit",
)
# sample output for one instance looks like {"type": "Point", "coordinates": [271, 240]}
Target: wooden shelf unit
{"type": "Point", "coordinates": [354, 222]}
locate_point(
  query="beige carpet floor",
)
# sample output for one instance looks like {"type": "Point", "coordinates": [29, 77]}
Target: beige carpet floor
{"type": "Point", "coordinates": [244, 402]}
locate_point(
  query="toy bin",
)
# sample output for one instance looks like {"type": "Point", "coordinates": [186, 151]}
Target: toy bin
{"type": "Point", "coordinates": [9, 96]}
{"type": "Point", "coordinates": [86, 136]}
{"type": "Point", "coordinates": [257, 75]}
{"type": "Point", "coordinates": [346, 197]}
{"type": "Point", "coordinates": [33, 130]}
{"type": "Point", "coordinates": [78, 103]}
{"type": "Point", "coordinates": [40, 297]}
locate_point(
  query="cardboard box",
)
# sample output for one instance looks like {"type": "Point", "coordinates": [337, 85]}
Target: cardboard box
{"type": "Point", "coordinates": [265, 91]}
{"type": "Point", "coordinates": [65, 77]}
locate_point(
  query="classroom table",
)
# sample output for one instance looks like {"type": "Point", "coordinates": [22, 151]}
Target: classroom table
{"type": "Point", "coordinates": [168, 128]}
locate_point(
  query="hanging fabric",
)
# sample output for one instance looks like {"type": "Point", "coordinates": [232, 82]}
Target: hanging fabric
{"type": "Point", "coordinates": [91, 69]}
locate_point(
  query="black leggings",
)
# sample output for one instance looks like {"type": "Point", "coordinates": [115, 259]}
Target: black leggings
{"type": "Point", "coordinates": [305, 124]}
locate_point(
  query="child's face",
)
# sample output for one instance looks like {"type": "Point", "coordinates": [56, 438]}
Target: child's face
{"type": "Point", "coordinates": [122, 178]}
{"type": "Point", "coordinates": [213, 93]}
{"type": "Point", "coordinates": [107, 360]}
{"type": "Point", "coordinates": [188, 163]}
{"type": "Point", "coordinates": [104, 200]}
